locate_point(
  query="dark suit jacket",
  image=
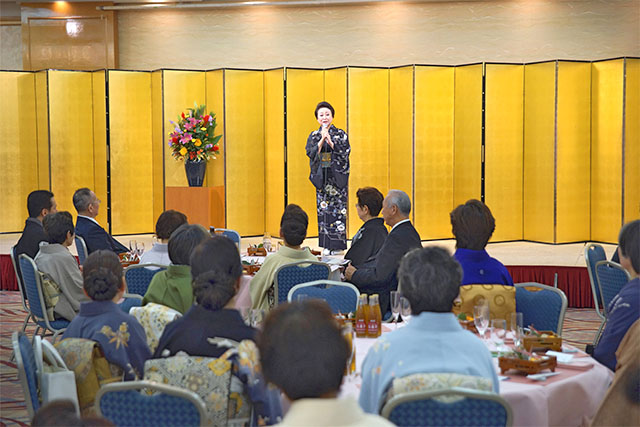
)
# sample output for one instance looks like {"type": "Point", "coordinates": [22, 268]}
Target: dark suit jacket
{"type": "Point", "coordinates": [32, 235]}
{"type": "Point", "coordinates": [96, 237]}
{"type": "Point", "coordinates": [378, 275]}
{"type": "Point", "coordinates": [371, 237]}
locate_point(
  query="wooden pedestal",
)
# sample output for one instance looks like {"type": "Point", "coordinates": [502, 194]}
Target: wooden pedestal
{"type": "Point", "coordinates": [201, 205]}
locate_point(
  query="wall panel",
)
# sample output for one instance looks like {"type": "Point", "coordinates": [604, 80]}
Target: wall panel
{"type": "Point", "coordinates": [131, 152]}
{"type": "Point", "coordinates": [539, 151]}
{"type": "Point", "coordinates": [607, 78]}
{"type": "Point", "coordinates": [467, 162]}
{"type": "Point", "coordinates": [632, 142]}
{"type": "Point", "coordinates": [434, 103]}
{"type": "Point", "coordinates": [245, 171]}
{"type": "Point", "coordinates": [305, 88]}
{"type": "Point", "coordinates": [504, 104]}
{"type": "Point", "coordinates": [368, 120]}
{"type": "Point", "coordinates": [274, 149]}
{"type": "Point", "coordinates": [573, 155]}
{"type": "Point", "coordinates": [18, 147]}
{"type": "Point", "coordinates": [401, 129]}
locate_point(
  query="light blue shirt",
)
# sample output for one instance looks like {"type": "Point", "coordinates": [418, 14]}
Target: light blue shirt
{"type": "Point", "coordinates": [430, 343]}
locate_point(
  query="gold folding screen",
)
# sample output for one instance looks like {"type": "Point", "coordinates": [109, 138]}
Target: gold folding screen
{"type": "Point", "coordinates": [401, 129]}
{"type": "Point", "coordinates": [273, 149]}
{"type": "Point", "coordinates": [632, 141]}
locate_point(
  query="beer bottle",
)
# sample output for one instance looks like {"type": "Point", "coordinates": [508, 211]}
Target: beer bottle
{"type": "Point", "coordinates": [362, 316]}
{"type": "Point", "coordinates": [374, 325]}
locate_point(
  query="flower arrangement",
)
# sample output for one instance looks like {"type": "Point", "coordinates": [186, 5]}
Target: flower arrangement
{"type": "Point", "coordinates": [192, 137]}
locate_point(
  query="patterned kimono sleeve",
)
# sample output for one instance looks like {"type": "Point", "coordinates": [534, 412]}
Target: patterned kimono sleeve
{"type": "Point", "coordinates": [340, 157]}
{"type": "Point", "coordinates": [312, 148]}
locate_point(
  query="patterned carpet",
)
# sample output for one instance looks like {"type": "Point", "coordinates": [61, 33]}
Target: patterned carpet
{"type": "Point", "coordinates": [580, 326]}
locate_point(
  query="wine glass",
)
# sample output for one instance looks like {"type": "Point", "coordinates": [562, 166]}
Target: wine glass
{"type": "Point", "coordinates": [516, 328]}
{"type": "Point", "coordinates": [139, 249]}
{"type": "Point", "coordinates": [498, 328]}
{"type": "Point", "coordinates": [256, 317]}
{"type": "Point", "coordinates": [405, 309]}
{"type": "Point", "coordinates": [481, 318]}
{"type": "Point", "coordinates": [396, 306]}
{"type": "Point", "coordinates": [347, 333]}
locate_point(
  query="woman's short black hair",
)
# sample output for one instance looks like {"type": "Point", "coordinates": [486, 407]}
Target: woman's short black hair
{"type": "Point", "coordinates": [215, 270]}
{"type": "Point", "coordinates": [472, 225]}
{"type": "Point", "coordinates": [302, 349]}
{"type": "Point", "coordinates": [629, 240]}
{"type": "Point", "coordinates": [371, 198]}
{"type": "Point", "coordinates": [325, 104]}
{"type": "Point", "coordinates": [168, 222]}
{"type": "Point", "coordinates": [102, 275]}
{"type": "Point", "coordinates": [183, 241]}
{"type": "Point", "coordinates": [57, 226]}
{"type": "Point", "coordinates": [293, 224]}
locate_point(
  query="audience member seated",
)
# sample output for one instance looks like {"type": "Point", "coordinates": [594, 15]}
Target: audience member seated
{"type": "Point", "coordinates": [293, 231]}
{"type": "Point", "coordinates": [216, 271]}
{"type": "Point", "coordinates": [167, 223]}
{"type": "Point", "coordinates": [172, 287]}
{"type": "Point", "coordinates": [472, 225]}
{"type": "Point", "coordinates": [119, 334]}
{"type": "Point", "coordinates": [55, 259]}
{"type": "Point", "coordinates": [40, 203]}
{"type": "Point", "coordinates": [62, 413]}
{"type": "Point", "coordinates": [624, 309]}
{"type": "Point", "coordinates": [369, 238]}
{"type": "Point", "coordinates": [433, 341]}
{"type": "Point", "coordinates": [303, 352]}
{"type": "Point", "coordinates": [95, 237]}
{"type": "Point", "coordinates": [378, 275]}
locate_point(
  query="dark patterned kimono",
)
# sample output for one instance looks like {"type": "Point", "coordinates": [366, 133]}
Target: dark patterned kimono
{"type": "Point", "coordinates": [330, 175]}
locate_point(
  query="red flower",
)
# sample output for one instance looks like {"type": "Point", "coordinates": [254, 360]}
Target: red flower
{"type": "Point", "coordinates": [182, 114]}
{"type": "Point", "coordinates": [216, 148]}
{"type": "Point", "coordinates": [205, 118]}
{"type": "Point", "coordinates": [191, 155]}
{"type": "Point", "coordinates": [174, 139]}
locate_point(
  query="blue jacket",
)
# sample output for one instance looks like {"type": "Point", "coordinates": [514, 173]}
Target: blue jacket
{"type": "Point", "coordinates": [95, 237]}
{"type": "Point", "coordinates": [480, 269]}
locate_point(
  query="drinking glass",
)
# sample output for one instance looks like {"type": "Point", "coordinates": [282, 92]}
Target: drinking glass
{"type": "Point", "coordinates": [498, 328]}
{"type": "Point", "coordinates": [302, 297]}
{"type": "Point", "coordinates": [481, 318]}
{"type": "Point", "coordinates": [396, 306]}
{"type": "Point", "coordinates": [256, 317]}
{"type": "Point", "coordinates": [132, 250]}
{"type": "Point", "coordinates": [139, 249]}
{"type": "Point", "coordinates": [516, 328]}
{"type": "Point", "coordinates": [347, 333]}
{"type": "Point", "coordinates": [405, 309]}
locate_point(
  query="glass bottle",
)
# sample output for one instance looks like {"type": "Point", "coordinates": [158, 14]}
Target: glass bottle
{"type": "Point", "coordinates": [362, 316]}
{"type": "Point", "coordinates": [266, 242]}
{"type": "Point", "coordinates": [374, 325]}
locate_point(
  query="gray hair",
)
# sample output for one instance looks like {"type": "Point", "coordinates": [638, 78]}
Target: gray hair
{"type": "Point", "coordinates": [401, 200]}
{"type": "Point", "coordinates": [430, 279]}
{"type": "Point", "coordinates": [82, 199]}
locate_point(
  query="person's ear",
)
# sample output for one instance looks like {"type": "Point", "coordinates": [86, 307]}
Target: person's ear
{"type": "Point", "coordinates": [281, 234]}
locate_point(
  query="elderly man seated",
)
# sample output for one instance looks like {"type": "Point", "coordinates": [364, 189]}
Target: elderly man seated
{"type": "Point", "coordinates": [433, 341]}
{"type": "Point", "coordinates": [95, 237]}
{"type": "Point", "coordinates": [378, 275]}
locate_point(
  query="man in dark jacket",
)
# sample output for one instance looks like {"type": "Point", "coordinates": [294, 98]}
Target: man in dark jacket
{"type": "Point", "coordinates": [378, 275]}
{"type": "Point", "coordinates": [95, 237]}
{"type": "Point", "coordinates": [40, 203]}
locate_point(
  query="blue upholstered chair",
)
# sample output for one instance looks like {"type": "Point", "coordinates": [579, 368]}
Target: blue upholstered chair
{"type": "Point", "coordinates": [426, 408]}
{"type": "Point", "coordinates": [594, 253]}
{"type": "Point", "coordinates": [26, 364]}
{"type": "Point", "coordinates": [543, 308]}
{"type": "Point", "coordinates": [81, 248]}
{"type": "Point", "coordinates": [138, 277]}
{"type": "Point", "coordinates": [611, 277]}
{"type": "Point", "coordinates": [35, 300]}
{"type": "Point", "coordinates": [342, 297]}
{"type": "Point", "coordinates": [289, 275]}
{"type": "Point", "coordinates": [124, 404]}
{"type": "Point", "coordinates": [231, 234]}
{"type": "Point", "coordinates": [23, 292]}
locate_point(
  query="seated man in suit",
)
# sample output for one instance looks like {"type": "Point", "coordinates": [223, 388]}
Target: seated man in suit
{"type": "Point", "coordinates": [40, 203]}
{"type": "Point", "coordinates": [95, 237]}
{"type": "Point", "coordinates": [378, 275]}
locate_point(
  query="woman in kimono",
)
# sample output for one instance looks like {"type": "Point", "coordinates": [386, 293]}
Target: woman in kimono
{"type": "Point", "coordinates": [328, 150]}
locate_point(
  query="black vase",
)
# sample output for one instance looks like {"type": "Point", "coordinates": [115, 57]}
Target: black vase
{"type": "Point", "coordinates": [195, 170]}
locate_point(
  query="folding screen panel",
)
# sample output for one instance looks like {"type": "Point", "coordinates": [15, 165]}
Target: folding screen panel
{"type": "Point", "coordinates": [335, 93]}
{"type": "Point", "coordinates": [539, 151]}
{"type": "Point", "coordinates": [632, 141]}
{"type": "Point", "coordinates": [18, 147]}
{"type": "Point", "coordinates": [573, 152]}
{"type": "Point", "coordinates": [305, 88]}
{"type": "Point", "coordinates": [401, 130]}
{"type": "Point", "coordinates": [157, 147]}
{"type": "Point", "coordinates": [504, 148]}
{"type": "Point", "coordinates": [131, 152]}
{"type": "Point", "coordinates": [98, 79]}
{"type": "Point", "coordinates": [42, 128]}
{"type": "Point", "coordinates": [274, 149]}
{"type": "Point", "coordinates": [214, 83]}
{"type": "Point", "coordinates": [467, 159]}
{"type": "Point", "coordinates": [433, 156]}
{"type": "Point", "coordinates": [368, 98]}
{"type": "Point", "coordinates": [244, 145]}
{"type": "Point", "coordinates": [607, 90]}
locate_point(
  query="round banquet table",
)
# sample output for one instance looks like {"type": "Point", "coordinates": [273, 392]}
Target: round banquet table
{"type": "Point", "coordinates": [567, 399]}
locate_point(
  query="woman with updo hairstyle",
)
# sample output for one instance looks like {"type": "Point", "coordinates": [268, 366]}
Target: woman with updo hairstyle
{"type": "Point", "coordinates": [119, 334]}
{"type": "Point", "coordinates": [216, 270]}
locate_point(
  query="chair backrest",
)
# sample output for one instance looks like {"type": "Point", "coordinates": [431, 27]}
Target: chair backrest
{"type": "Point", "coordinates": [474, 408]}
{"type": "Point", "coordinates": [138, 277]}
{"type": "Point", "coordinates": [33, 286]}
{"type": "Point", "coordinates": [16, 268]}
{"type": "Point", "coordinates": [124, 405]}
{"type": "Point", "coordinates": [611, 277]}
{"type": "Point", "coordinates": [593, 253]}
{"type": "Point", "coordinates": [231, 234]}
{"type": "Point", "coordinates": [81, 248]}
{"type": "Point", "coordinates": [26, 364]}
{"type": "Point", "coordinates": [289, 275]}
{"type": "Point", "coordinates": [544, 308]}
{"type": "Point", "coordinates": [342, 297]}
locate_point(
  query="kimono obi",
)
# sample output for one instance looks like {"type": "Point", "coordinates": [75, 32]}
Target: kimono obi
{"type": "Point", "coordinates": [325, 159]}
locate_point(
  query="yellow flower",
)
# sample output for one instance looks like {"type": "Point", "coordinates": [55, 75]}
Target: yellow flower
{"type": "Point", "coordinates": [198, 143]}
{"type": "Point", "coordinates": [183, 151]}
{"type": "Point", "coordinates": [203, 129]}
